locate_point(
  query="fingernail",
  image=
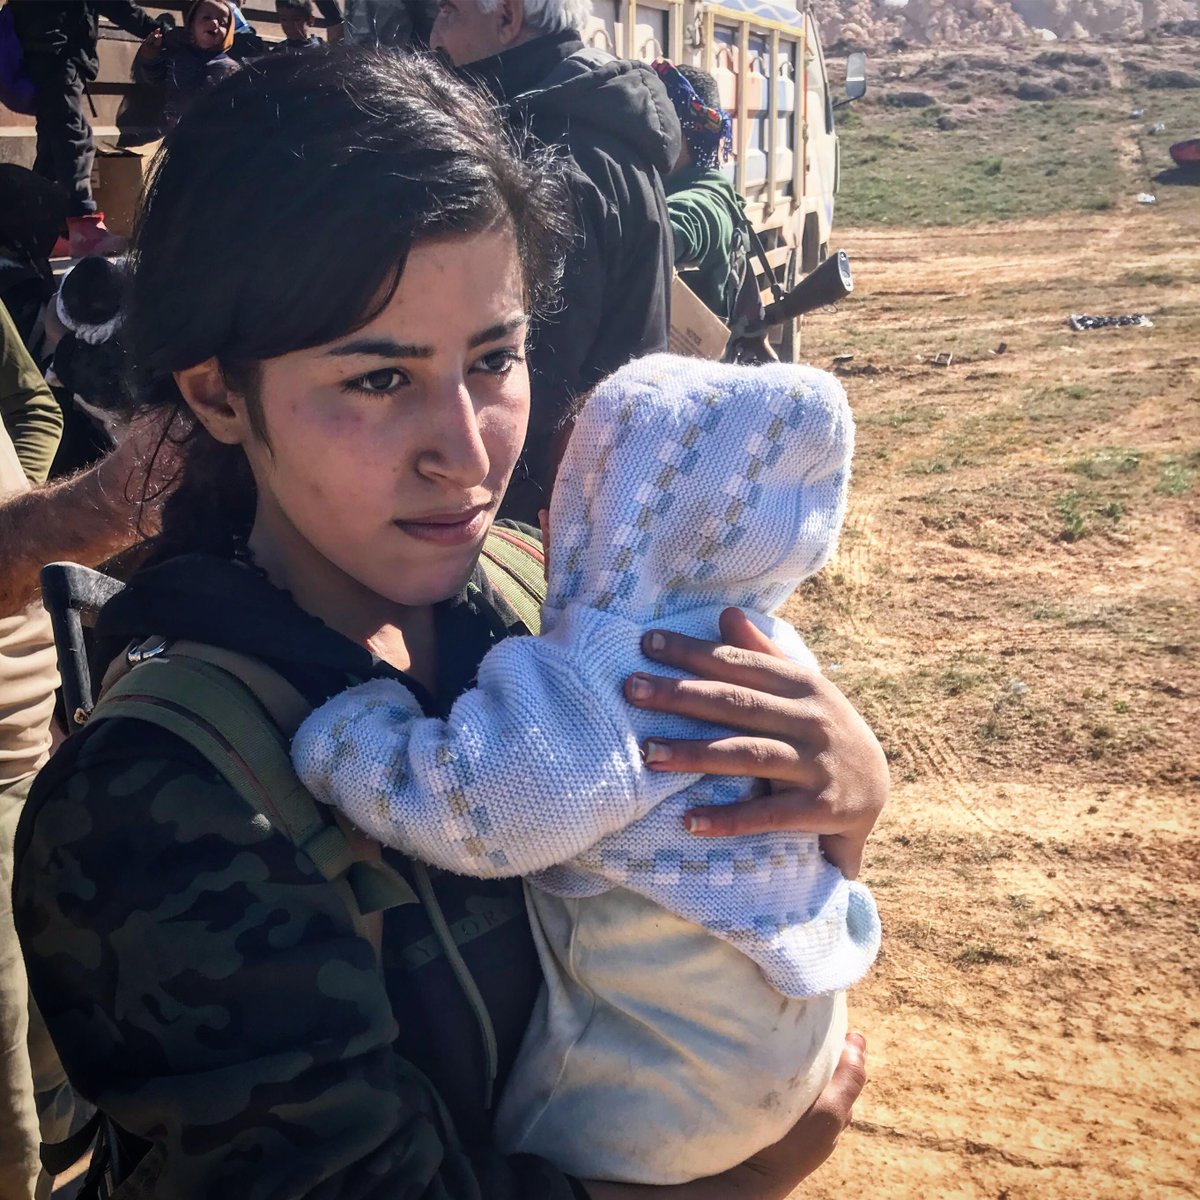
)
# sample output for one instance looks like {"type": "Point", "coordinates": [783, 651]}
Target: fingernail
{"type": "Point", "coordinates": [639, 687]}
{"type": "Point", "coordinates": [698, 824]}
{"type": "Point", "coordinates": [656, 642]}
{"type": "Point", "coordinates": [656, 752]}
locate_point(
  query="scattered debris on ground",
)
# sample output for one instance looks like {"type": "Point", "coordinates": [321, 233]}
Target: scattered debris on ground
{"type": "Point", "coordinates": [1082, 321]}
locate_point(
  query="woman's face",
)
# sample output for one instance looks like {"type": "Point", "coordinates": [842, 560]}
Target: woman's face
{"type": "Point", "coordinates": [391, 447]}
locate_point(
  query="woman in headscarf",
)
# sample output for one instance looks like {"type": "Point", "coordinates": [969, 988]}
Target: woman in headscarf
{"type": "Point", "coordinates": [707, 221]}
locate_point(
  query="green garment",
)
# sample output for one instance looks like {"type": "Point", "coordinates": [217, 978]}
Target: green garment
{"type": "Point", "coordinates": [32, 416]}
{"type": "Point", "coordinates": [707, 221]}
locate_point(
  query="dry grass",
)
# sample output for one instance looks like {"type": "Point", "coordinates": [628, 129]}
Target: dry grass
{"type": "Point", "coordinates": [1015, 606]}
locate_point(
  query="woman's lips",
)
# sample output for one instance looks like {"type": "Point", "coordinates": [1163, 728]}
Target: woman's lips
{"type": "Point", "coordinates": [450, 529]}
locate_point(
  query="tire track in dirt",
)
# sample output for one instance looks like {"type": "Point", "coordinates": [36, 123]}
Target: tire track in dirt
{"type": "Point", "coordinates": [965, 1146]}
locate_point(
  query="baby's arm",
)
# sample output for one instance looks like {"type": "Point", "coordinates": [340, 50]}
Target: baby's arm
{"type": "Point", "coordinates": [531, 767]}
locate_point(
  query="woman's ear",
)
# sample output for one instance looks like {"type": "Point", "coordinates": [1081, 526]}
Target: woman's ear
{"type": "Point", "coordinates": [221, 411]}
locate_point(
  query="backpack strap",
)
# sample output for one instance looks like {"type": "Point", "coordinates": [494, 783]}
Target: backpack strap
{"type": "Point", "coordinates": [515, 565]}
{"type": "Point", "coordinates": [224, 705]}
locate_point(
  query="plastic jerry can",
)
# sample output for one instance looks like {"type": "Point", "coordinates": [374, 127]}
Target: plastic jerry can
{"type": "Point", "coordinates": [785, 121]}
{"type": "Point", "coordinates": [726, 74]}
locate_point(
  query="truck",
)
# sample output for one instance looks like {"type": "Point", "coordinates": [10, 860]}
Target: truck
{"type": "Point", "coordinates": [770, 68]}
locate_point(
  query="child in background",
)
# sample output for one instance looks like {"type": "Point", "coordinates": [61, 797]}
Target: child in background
{"type": "Point", "coordinates": [295, 19]}
{"type": "Point", "coordinates": [693, 1004]}
{"type": "Point", "coordinates": [183, 62]}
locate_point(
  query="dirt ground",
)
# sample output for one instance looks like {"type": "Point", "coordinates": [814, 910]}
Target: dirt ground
{"type": "Point", "coordinates": [1015, 606]}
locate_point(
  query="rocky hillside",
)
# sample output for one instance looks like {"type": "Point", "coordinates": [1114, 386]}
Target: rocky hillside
{"type": "Point", "coordinates": [931, 22]}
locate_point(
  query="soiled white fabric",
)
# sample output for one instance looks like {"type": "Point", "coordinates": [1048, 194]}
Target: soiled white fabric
{"type": "Point", "coordinates": [686, 487]}
{"type": "Point", "coordinates": [656, 1054]}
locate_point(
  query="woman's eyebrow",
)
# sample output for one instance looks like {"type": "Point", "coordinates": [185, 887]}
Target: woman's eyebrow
{"type": "Point", "coordinates": [383, 347]}
{"type": "Point", "coordinates": [379, 348]}
{"type": "Point", "coordinates": [496, 332]}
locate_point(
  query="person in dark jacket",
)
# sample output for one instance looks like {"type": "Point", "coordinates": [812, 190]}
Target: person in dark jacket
{"type": "Point", "coordinates": [58, 41]}
{"type": "Point", "coordinates": [207, 987]}
{"type": "Point", "coordinates": [619, 132]}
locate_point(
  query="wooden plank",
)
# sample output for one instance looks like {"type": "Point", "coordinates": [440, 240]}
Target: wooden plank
{"type": "Point", "coordinates": [772, 123]}
{"type": "Point", "coordinates": [743, 134]}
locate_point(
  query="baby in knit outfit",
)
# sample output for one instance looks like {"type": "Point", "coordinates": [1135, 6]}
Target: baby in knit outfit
{"type": "Point", "coordinates": [694, 998]}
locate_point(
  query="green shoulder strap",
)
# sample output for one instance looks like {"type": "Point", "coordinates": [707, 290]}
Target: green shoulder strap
{"type": "Point", "coordinates": [515, 565]}
{"type": "Point", "coordinates": [238, 715]}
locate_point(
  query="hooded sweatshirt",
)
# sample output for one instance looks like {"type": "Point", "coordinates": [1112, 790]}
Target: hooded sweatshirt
{"type": "Point", "coordinates": [205, 986]}
{"type": "Point", "coordinates": [618, 130]}
{"type": "Point", "coordinates": [707, 220]}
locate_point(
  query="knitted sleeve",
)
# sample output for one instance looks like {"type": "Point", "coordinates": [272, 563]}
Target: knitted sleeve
{"type": "Point", "coordinates": [530, 768]}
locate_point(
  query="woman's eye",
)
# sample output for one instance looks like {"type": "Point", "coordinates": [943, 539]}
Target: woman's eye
{"type": "Point", "coordinates": [377, 383]}
{"type": "Point", "coordinates": [499, 362]}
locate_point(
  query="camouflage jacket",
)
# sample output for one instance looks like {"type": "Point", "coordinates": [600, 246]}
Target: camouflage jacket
{"type": "Point", "coordinates": [205, 986]}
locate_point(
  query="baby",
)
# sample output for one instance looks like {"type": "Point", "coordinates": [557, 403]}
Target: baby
{"type": "Point", "coordinates": [693, 1004]}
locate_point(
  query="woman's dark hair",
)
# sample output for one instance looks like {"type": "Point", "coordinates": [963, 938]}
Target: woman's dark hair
{"type": "Point", "coordinates": [367, 152]}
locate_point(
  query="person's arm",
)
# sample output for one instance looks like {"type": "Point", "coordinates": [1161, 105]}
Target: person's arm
{"type": "Point", "coordinates": [218, 1001]}
{"type": "Point", "coordinates": [826, 771]}
{"type": "Point", "coordinates": [531, 767]}
{"type": "Point", "coordinates": [30, 412]}
{"type": "Point", "coordinates": [126, 15]}
{"type": "Point", "coordinates": [698, 225]}
{"type": "Point", "coordinates": [85, 519]}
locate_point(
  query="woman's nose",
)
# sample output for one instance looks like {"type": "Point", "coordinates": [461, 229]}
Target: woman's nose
{"type": "Point", "coordinates": [455, 449]}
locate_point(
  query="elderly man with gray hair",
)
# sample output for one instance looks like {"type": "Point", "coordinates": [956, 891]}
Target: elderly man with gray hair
{"type": "Point", "coordinates": [615, 124]}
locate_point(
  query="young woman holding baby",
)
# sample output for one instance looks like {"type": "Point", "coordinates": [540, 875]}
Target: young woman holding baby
{"type": "Point", "coordinates": [355, 403]}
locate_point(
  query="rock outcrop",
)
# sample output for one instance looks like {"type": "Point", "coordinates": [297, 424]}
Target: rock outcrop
{"type": "Point", "coordinates": [931, 22]}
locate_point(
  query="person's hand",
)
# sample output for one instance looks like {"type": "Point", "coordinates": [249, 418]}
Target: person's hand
{"type": "Point", "coordinates": [824, 769]}
{"type": "Point", "coordinates": [815, 1136]}
{"type": "Point", "coordinates": [773, 1173]}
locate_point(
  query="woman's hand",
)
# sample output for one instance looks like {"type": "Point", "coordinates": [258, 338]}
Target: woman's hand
{"type": "Point", "coordinates": [773, 1173]}
{"type": "Point", "coordinates": [823, 769]}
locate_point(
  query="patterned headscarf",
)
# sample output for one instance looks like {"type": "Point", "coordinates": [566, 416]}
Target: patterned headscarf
{"type": "Point", "coordinates": [707, 131]}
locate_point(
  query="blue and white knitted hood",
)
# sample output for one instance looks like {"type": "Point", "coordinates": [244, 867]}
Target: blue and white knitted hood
{"type": "Point", "coordinates": [726, 472]}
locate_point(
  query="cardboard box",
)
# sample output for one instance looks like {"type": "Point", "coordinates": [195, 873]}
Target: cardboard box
{"type": "Point", "coordinates": [117, 179]}
{"type": "Point", "coordinates": [695, 329]}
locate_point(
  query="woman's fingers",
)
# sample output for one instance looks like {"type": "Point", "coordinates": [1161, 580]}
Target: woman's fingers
{"type": "Point", "coordinates": [765, 713]}
{"type": "Point", "coordinates": [759, 757]}
{"type": "Point", "coordinates": [765, 670]}
{"type": "Point", "coordinates": [738, 630]}
{"type": "Point", "coordinates": [836, 1103]}
{"type": "Point", "coordinates": [815, 1136]}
